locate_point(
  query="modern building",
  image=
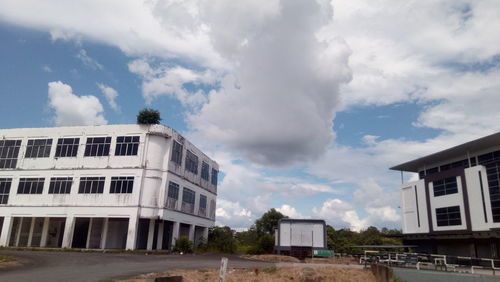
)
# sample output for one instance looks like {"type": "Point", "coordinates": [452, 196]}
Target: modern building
{"type": "Point", "coordinates": [103, 187]}
{"type": "Point", "coordinates": [454, 207]}
{"type": "Point", "coordinates": [300, 237]}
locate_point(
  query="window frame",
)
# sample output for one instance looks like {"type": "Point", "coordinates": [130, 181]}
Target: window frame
{"type": "Point", "coordinates": [191, 162]}
{"type": "Point", "coordinates": [126, 185]}
{"type": "Point", "coordinates": [42, 150]}
{"type": "Point", "coordinates": [35, 185]}
{"type": "Point", "coordinates": [93, 148]}
{"type": "Point", "coordinates": [447, 216]}
{"type": "Point", "coordinates": [177, 152]}
{"type": "Point", "coordinates": [96, 185]}
{"type": "Point", "coordinates": [214, 177]}
{"type": "Point", "coordinates": [70, 149]}
{"type": "Point", "coordinates": [9, 153]}
{"type": "Point", "coordinates": [445, 186]}
{"type": "Point", "coordinates": [5, 186]}
{"type": "Point", "coordinates": [205, 171]}
{"type": "Point", "coordinates": [127, 145]}
{"type": "Point", "coordinates": [60, 185]}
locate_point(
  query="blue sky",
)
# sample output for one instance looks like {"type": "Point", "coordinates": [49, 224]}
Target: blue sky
{"type": "Point", "coordinates": [303, 108]}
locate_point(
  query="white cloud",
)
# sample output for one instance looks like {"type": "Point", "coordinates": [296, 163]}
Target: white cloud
{"type": "Point", "coordinates": [110, 94]}
{"type": "Point", "coordinates": [291, 212]}
{"type": "Point", "coordinates": [88, 61]}
{"type": "Point", "coordinates": [233, 214]}
{"type": "Point", "coordinates": [172, 80]}
{"type": "Point", "coordinates": [47, 68]}
{"type": "Point", "coordinates": [71, 109]}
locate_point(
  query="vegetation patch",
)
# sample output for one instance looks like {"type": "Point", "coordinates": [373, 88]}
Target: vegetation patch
{"type": "Point", "coordinates": [272, 258]}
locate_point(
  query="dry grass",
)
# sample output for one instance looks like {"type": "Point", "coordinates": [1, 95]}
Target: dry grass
{"type": "Point", "coordinates": [272, 258]}
{"type": "Point", "coordinates": [270, 274]}
{"type": "Point", "coordinates": [333, 260]}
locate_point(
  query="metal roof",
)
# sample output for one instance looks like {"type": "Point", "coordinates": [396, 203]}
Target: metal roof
{"type": "Point", "coordinates": [460, 150]}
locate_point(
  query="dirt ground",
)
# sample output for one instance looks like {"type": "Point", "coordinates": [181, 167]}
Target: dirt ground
{"type": "Point", "coordinates": [301, 274]}
{"type": "Point", "coordinates": [280, 258]}
{"type": "Point", "coordinates": [272, 258]}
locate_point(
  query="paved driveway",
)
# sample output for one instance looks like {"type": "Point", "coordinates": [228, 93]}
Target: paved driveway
{"type": "Point", "coordinates": [73, 266]}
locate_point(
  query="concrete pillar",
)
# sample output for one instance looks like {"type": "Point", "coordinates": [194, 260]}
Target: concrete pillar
{"type": "Point", "coordinates": [151, 234]}
{"type": "Point", "coordinates": [32, 227]}
{"type": "Point", "coordinates": [6, 230]}
{"type": "Point", "coordinates": [88, 233]}
{"type": "Point", "coordinates": [69, 227]}
{"type": "Point", "coordinates": [205, 235]}
{"type": "Point", "coordinates": [175, 232]}
{"type": "Point", "coordinates": [104, 234]}
{"type": "Point", "coordinates": [18, 231]}
{"type": "Point", "coordinates": [45, 232]}
{"type": "Point", "coordinates": [192, 228]}
{"type": "Point", "coordinates": [133, 222]}
{"type": "Point", "coordinates": [159, 241]}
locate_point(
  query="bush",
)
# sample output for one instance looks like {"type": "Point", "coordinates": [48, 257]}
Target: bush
{"type": "Point", "coordinates": [184, 245]}
{"type": "Point", "coordinates": [266, 244]}
{"type": "Point", "coordinates": [148, 116]}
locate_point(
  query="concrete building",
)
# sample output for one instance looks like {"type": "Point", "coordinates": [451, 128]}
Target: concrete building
{"type": "Point", "coordinates": [454, 207]}
{"type": "Point", "coordinates": [300, 237]}
{"type": "Point", "coordinates": [103, 187]}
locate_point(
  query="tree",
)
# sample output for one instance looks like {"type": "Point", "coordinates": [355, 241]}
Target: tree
{"type": "Point", "coordinates": [221, 239]}
{"type": "Point", "coordinates": [268, 222]}
{"type": "Point", "coordinates": [148, 116]}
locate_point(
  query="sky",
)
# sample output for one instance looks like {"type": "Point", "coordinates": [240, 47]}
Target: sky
{"type": "Point", "coordinates": [305, 104]}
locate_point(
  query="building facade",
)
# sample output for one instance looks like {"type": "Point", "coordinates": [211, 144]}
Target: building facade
{"type": "Point", "coordinates": [300, 237]}
{"type": "Point", "coordinates": [454, 207]}
{"type": "Point", "coordinates": [104, 187]}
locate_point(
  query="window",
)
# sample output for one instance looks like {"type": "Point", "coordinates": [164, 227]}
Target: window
{"type": "Point", "coordinates": [121, 184]}
{"type": "Point", "coordinates": [38, 148]}
{"type": "Point", "coordinates": [188, 200]}
{"type": "Point", "coordinates": [9, 150]}
{"type": "Point", "coordinates": [97, 146]}
{"type": "Point", "coordinates": [67, 147]}
{"type": "Point", "coordinates": [214, 176]}
{"type": "Point", "coordinates": [445, 186]}
{"type": "Point", "coordinates": [493, 175]}
{"type": "Point", "coordinates": [176, 153]}
{"type": "Point", "coordinates": [202, 210]}
{"type": "Point", "coordinates": [60, 185]}
{"type": "Point", "coordinates": [91, 185]}
{"type": "Point", "coordinates": [448, 216]}
{"type": "Point", "coordinates": [191, 162]}
{"type": "Point", "coordinates": [30, 186]}
{"type": "Point", "coordinates": [173, 195]}
{"type": "Point", "coordinates": [4, 190]}
{"type": "Point", "coordinates": [204, 171]}
{"type": "Point", "coordinates": [127, 145]}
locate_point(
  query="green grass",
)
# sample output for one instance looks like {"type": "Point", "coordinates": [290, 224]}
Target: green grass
{"type": "Point", "coordinates": [6, 258]}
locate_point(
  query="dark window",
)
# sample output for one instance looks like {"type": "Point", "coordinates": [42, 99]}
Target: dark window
{"type": "Point", "coordinates": [127, 145]}
{"type": "Point", "coordinates": [176, 153]}
{"type": "Point", "coordinates": [97, 146]}
{"type": "Point", "coordinates": [30, 186]}
{"type": "Point", "coordinates": [448, 216]}
{"type": "Point", "coordinates": [445, 186]}
{"type": "Point", "coordinates": [67, 147]}
{"type": "Point", "coordinates": [431, 171]}
{"type": "Point", "coordinates": [91, 185]}
{"type": "Point", "coordinates": [121, 184]}
{"type": "Point", "coordinates": [60, 185]}
{"type": "Point", "coordinates": [9, 150]}
{"type": "Point", "coordinates": [205, 171]}
{"type": "Point", "coordinates": [188, 197]}
{"type": "Point", "coordinates": [421, 174]}
{"type": "Point", "coordinates": [5, 184]}
{"type": "Point", "coordinates": [173, 195]}
{"type": "Point", "coordinates": [202, 210]}
{"type": "Point", "coordinates": [493, 175]}
{"type": "Point", "coordinates": [191, 162]}
{"type": "Point", "coordinates": [214, 176]}
{"type": "Point", "coordinates": [38, 148]}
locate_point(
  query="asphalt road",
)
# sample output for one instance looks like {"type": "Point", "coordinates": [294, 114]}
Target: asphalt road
{"type": "Point", "coordinates": [73, 266]}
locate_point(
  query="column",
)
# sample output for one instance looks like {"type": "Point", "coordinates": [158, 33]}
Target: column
{"type": "Point", "coordinates": [205, 235]}
{"type": "Point", "coordinates": [133, 221]}
{"type": "Point", "coordinates": [175, 232]}
{"type": "Point", "coordinates": [88, 234]}
{"type": "Point", "coordinates": [104, 234]}
{"type": "Point", "coordinates": [159, 242]}
{"type": "Point", "coordinates": [6, 230]}
{"type": "Point", "coordinates": [151, 234]}
{"type": "Point", "coordinates": [18, 231]}
{"type": "Point", "coordinates": [69, 226]}
{"type": "Point", "coordinates": [192, 228]}
{"type": "Point", "coordinates": [32, 227]}
{"type": "Point", "coordinates": [45, 232]}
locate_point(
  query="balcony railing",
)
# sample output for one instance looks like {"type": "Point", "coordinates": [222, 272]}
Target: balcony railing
{"type": "Point", "coordinates": [202, 212]}
{"type": "Point", "coordinates": [187, 207]}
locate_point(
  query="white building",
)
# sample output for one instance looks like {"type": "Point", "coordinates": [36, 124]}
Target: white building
{"type": "Point", "coordinates": [300, 237]}
{"type": "Point", "coordinates": [454, 207]}
{"type": "Point", "coordinates": [107, 187]}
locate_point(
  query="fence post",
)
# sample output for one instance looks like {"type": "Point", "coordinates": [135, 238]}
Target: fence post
{"type": "Point", "coordinates": [222, 270]}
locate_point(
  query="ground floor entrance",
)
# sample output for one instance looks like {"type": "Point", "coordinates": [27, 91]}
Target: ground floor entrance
{"type": "Point", "coordinates": [96, 232]}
